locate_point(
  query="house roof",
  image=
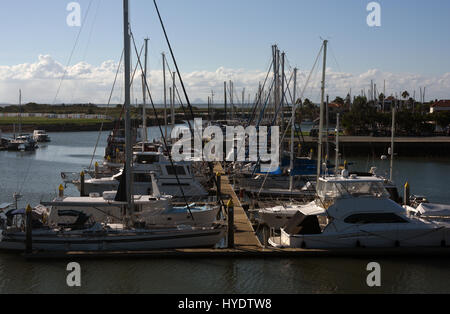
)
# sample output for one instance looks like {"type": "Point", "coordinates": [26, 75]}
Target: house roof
{"type": "Point", "coordinates": [334, 105]}
{"type": "Point", "coordinates": [441, 103]}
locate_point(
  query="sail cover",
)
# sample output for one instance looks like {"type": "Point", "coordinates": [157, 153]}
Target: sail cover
{"type": "Point", "coordinates": [121, 195]}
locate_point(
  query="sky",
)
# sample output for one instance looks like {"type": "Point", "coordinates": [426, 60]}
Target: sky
{"type": "Point", "coordinates": [216, 41]}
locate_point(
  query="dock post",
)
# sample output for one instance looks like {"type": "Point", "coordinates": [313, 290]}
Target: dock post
{"type": "Point", "coordinates": [406, 194]}
{"type": "Point", "coordinates": [61, 191]}
{"type": "Point", "coordinates": [29, 232]}
{"type": "Point", "coordinates": [96, 170]}
{"type": "Point", "coordinates": [82, 191]}
{"type": "Point", "coordinates": [230, 210]}
{"type": "Point", "coordinates": [219, 186]}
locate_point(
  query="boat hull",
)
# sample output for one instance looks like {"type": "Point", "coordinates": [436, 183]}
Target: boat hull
{"type": "Point", "coordinates": [436, 237]}
{"type": "Point", "coordinates": [120, 241]}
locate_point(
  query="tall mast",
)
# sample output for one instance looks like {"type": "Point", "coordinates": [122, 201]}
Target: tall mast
{"type": "Point", "coordinates": [275, 79]}
{"type": "Point", "coordinates": [144, 90]}
{"type": "Point", "coordinates": [322, 105]}
{"type": "Point", "coordinates": [20, 111]}
{"type": "Point", "coordinates": [283, 55]}
{"type": "Point", "coordinates": [128, 144]}
{"type": "Point", "coordinates": [336, 162]}
{"type": "Point", "coordinates": [291, 182]}
{"type": "Point", "coordinates": [327, 121]}
{"type": "Point", "coordinates": [165, 93]}
{"type": "Point", "coordinates": [391, 170]}
{"type": "Point", "coordinates": [225, 99]}
{"type": "Point", "coordinates": [173, 98]}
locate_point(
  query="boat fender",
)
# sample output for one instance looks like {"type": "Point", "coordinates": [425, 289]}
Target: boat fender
{"type": "Point", "coordinates": [358, 243]}
{"type": "Point", "coordinates": [397, 243]}
{"type": "Point", "coordinates": [303, 246]}
{"type": "Point", "coordinates": [443, 243]}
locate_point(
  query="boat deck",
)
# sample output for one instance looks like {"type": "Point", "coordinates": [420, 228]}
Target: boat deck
{"type": "Point", "coordinates": [247, 244]}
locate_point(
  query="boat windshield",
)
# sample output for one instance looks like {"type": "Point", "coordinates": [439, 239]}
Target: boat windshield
{"type": "Point", "coordinates": [339, 189]}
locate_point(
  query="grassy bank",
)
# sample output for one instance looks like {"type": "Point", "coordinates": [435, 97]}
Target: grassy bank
{"type": "Point", "coordinates": [8, 121]}
{"type": "Point", "coordinates": [53, 125]}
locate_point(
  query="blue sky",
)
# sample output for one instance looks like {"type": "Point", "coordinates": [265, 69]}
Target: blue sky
{"type": "Point", "coordinates": [237, 34]}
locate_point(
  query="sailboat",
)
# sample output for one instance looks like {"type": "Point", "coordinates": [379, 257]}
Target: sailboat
{"type": "Point", "coordinates": [21, 142]}
{"type": "Point", "coordinates": [150, 210]}
{"type": "Point", "coordinates": [130, 235]}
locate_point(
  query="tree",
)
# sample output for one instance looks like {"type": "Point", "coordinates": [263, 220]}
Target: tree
{"type": "Point", "coordinates": [339, 101]}
{"type": "Point", "coordinates": [405, 95]}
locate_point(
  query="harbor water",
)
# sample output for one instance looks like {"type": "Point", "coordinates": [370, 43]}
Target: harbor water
{"type": "Point", "coordinates": [37, 177]}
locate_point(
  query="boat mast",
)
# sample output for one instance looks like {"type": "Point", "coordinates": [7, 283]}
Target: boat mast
{"type": "Point", "coordinates": [391, 170]}
{"type": "Point", "coordinates": [336, 162]}
{"type": "Point", "coordinates": [165, 93]}
{"type": "Point", "coordinates": [173, 97]}
{"type": "Point", "coordinates": [128, 144]}
{"type": "Point", "coordinates": [20, 111]}
{"type": "Point", "coordinates": [294, 103]}
{"type": "Point", "coordinates": [144, 90]}
{"type": "Point", "coordinates": [322, 105]}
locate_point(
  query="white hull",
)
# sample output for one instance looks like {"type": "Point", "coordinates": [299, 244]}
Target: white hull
{"type": "Point", "coordinates": [414, 237]}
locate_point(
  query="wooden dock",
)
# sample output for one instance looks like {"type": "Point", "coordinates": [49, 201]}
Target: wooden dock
{"type": "Point", "coordinates": [247, 244]}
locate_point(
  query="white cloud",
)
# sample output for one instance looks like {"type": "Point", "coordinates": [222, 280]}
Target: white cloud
{"type": "Point", "coordinates": [84, 82]}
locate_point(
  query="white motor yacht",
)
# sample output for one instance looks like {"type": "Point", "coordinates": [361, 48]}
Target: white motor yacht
{"type": "Point", "coordinates": [41, 136]}
{"type": "Point", "coordinates": [357, 212]}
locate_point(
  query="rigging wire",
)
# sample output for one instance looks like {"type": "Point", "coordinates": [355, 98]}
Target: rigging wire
{"type": "Point", "coordinates": [296, 106]}
{"type": "Point", "coordinates": [74, 90]}
{"type": "Point", "coordinates": [161, 130]}
{"type": "Point", "coordinates": [72, 52]}
{"type": "Point", "coordinates": [107, 109]}
{"type": "Point", "coordinates": [184, 90]}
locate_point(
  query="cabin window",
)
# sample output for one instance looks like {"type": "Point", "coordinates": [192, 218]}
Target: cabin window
{"type": "Point", "coordinates": [374, 218]}
{"type": "Point", "coordinates": [176, 170]}
{"type": "Point", "coordinates": [147, 159]}
{"type": "Point", "coordinates": [142, 177]}
{"type": "Point", "coordinates": [351, 188]}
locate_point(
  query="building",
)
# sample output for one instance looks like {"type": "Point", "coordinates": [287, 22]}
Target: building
{"type": "Point", "coordinates": [441, 105]}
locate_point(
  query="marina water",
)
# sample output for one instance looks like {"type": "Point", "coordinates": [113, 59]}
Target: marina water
{"type": "Point", "coordinates": [37, 177]}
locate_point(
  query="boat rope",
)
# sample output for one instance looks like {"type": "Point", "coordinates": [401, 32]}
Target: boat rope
{"type": "Point", "coordinates": [106, 111]}
{"type": "Point", "coordinates": [185, 94]}
{"type": "Point", "coordinates": [123, 107]}
{"type": "Point", "coordinates": [72, 52]}
{"type": "Point", "coordinates": [169, 154]}
{"type": "Point", "coordinates": [75, 89]}
{"type": "Point", "coordinates": [296, 105]}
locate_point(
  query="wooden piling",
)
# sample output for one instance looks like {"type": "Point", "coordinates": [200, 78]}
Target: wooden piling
{"type": "Point", "coordinates": [219, 186]}
{"type": "Point", "coordinates": [82, 189]}
{"type": "Point", "coordinates": [230, 211]}
{"type": "Point", "coordinates": [29, 230]}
